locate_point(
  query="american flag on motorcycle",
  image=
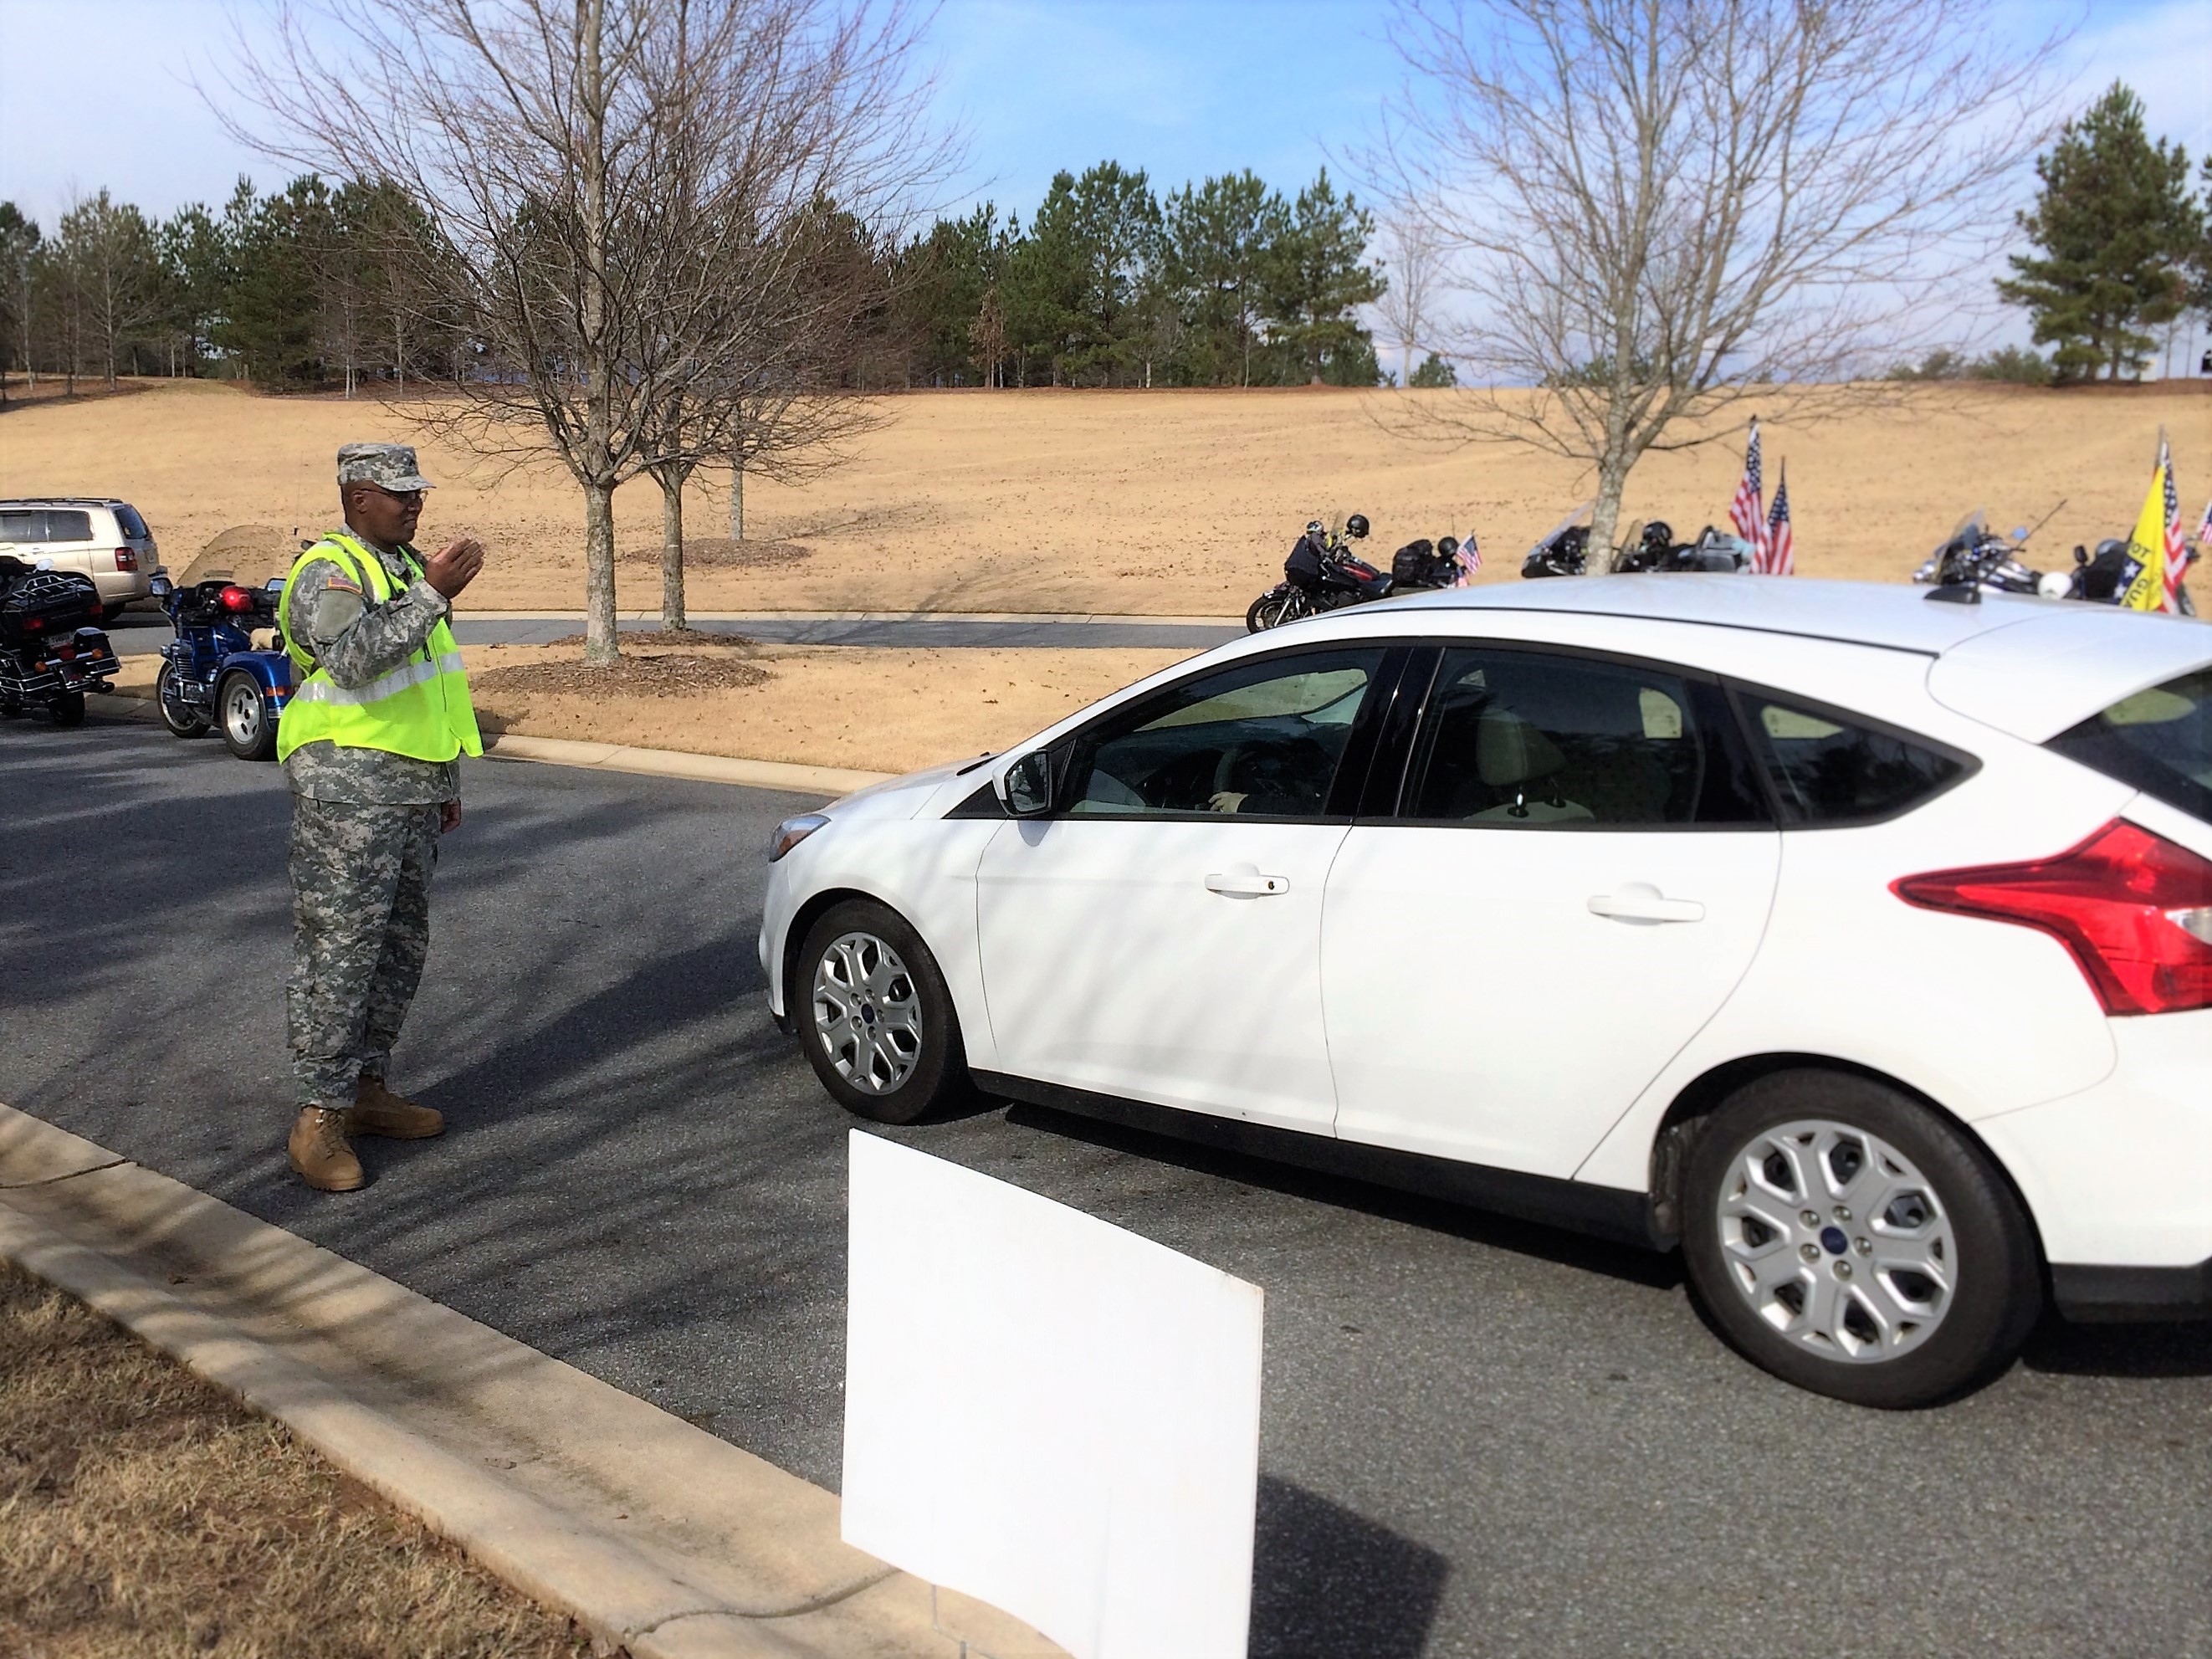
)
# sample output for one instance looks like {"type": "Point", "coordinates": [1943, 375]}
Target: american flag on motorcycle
{"type": "Point", "coordinates": [1747, 512]}
{"type": "Point", "coordinates": [1470, 559]}
{"type": "Point", "coordinates": [2177, 543]}
{"type": "Point", "coordinates": [1780, 551]}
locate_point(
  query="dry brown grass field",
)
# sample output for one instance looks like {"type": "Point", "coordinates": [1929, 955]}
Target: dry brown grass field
{"type": "Point", "coordinates": [1157, 503]}
{"type": "Point", "coordinates": [144, 1516]}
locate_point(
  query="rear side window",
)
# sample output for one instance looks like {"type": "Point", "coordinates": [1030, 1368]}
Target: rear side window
{"type": "Point", "coordinates": [1531, 739]}
{"type": "Point", "coordinates": [1829, 769]}
{"type": "Point", "coordinates": [2158, 741]}
{"type": "Point", "coordinates": [67, 524]}
{"type": "Point", "coordinates": [133, 525]}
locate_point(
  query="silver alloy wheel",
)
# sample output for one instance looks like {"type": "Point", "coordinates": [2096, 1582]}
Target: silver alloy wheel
{"type": "Point", "coordinates": [242, 712]}
{"type": "Point", "coordinates": [1837, 1241]}
{"type": "Point", "coordinates": [867, 1012]}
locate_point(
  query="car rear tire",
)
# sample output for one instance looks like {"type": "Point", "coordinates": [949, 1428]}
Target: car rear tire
{"type": "Point", "coordinates": [67, 709]}
{"type": "Point", "coordinates": [874, 1016]}
{"type": "Point", "coordinates": [180, 717]}
{"type": "Point", "coordinates": [1849, 1240]}
{"type": "Point", "coordinates": [242, 714]}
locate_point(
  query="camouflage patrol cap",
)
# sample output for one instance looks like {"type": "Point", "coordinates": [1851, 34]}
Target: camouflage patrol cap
{"type": "Point", "coordinates": [388, 466]}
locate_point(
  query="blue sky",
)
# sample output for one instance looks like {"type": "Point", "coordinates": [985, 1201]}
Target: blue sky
{"type": "Point", "coordinates": [99, 91]}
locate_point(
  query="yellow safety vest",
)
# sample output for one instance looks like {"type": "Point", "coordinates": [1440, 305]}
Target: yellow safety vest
{"type": "Point", "coordinates": [420, 709]}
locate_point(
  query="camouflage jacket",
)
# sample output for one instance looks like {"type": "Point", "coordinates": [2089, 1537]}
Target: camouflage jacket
{"type": "Point", "coordinates": [355, 642]}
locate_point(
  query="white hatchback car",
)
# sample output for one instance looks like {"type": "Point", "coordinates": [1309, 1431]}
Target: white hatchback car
{"type": "Point", "coordinates": [1856, 943]}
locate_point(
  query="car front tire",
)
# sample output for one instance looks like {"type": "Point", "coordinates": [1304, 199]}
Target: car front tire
{"type": "Point", "coordinates": [874, 1016]}
{"type": "Point", "coordinates": [1852, 1240]}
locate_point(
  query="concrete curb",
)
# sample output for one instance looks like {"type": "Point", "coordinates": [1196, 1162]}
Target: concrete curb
{"type": "Point", "coordinates": [788, 776]}
{"type": "Point", "coordinates": [656, 1536]}
{"type": "Point", "coordinates": [798, 780]}
{"type": "Point", "coordinates": [1103, 618]}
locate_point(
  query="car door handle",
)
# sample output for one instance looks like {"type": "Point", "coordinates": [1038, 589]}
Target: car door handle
{"type": "Point", "coordinates": [1246, 883]}
{"type": "Point", "coordinates": [1638, 901]}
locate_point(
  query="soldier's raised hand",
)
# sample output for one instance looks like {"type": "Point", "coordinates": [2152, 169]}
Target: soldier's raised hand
{"type": "Point", "coordinates": [455, 566]}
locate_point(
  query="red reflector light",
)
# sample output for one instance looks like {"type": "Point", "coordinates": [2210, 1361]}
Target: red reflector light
{"type": "Point", "coordinates": [32, 624]}
{"type": "Point", "coordinates": [125, 559]}
{"type": "Point", "coordinates": [236, 599]}
{"type": "Point", "coordinates": [2134, 909]}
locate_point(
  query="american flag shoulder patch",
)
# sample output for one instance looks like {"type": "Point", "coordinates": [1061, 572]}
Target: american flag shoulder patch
{"type": "Point", "coordinates": [342, 584]}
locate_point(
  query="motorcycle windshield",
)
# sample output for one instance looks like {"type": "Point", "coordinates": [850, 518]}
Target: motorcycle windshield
{"type": "Point", "coordinates": [1968, 533]}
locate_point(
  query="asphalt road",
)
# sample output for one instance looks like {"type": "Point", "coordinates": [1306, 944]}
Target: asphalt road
{"type": "Point", "coordinates": [1480, 1437]}
{"type": "Point", "coordinates": [138, 633]}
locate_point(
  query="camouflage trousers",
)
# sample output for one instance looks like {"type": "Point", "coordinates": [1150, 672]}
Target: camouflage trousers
{"type": "Point", "coordinates": [361, 927]}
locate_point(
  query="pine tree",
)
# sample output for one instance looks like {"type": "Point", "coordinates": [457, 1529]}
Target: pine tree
{"type": "Point", "coordinates": [1220, 238]}
{"type": "Point", "coordinates": [2115, 222]}
{"type": "Point", "coordinates": [1318, 276]}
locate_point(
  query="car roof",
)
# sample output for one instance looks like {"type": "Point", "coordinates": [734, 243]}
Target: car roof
{"type": "Point", "coordinates": [63, 501]}
{"type": "Point", "coordinates": [2030, 666]}
{"type": "Point", "coordinates": [1888, 615]}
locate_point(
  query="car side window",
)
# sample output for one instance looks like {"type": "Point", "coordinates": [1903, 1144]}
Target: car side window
{"type": "Point", "coordinates": [1530, 739]}
{"type": "Point", "coordinates": [21, 524]}
{"type": "Point", "coordinates": [68, 525]}
{"type": "Point", "coordinates": [1827, 769]}
{"type": "Point", "coordinates": [134, 524]}
{"type": "Point", "coordinates": [1260, 739]}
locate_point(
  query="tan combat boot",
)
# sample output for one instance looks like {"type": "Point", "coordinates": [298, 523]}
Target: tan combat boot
{"type": "Point", "coordinates": [377, 1111]}
{"type": "Point", "coordinates": [318, 1151]}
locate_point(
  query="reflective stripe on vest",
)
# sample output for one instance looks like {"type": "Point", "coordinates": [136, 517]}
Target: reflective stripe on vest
{"type": "Point", "coordinates": [420, 709]}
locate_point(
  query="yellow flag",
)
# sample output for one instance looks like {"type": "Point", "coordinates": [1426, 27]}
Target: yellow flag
{"type": "Point", "coordinates": [2147, 545]}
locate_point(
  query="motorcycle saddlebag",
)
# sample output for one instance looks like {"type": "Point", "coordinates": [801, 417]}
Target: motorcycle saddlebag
{"type": "Point", "coordinates": [47, 605]}
{"type": "Point", "coordinates": [1414, 563]}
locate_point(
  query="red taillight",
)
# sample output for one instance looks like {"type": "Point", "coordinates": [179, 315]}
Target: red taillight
{"type": "Point", "coordinates": [125, 559]}
{"type": "Point", "coordinates": [2134, 909]}
{"type": "Point", "coordinates": [33, 624]}
{"type": "Point", "coordinates": [236, 599]}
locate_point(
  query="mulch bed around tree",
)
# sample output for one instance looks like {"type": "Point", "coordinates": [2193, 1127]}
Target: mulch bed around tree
{"type": "Point", "coordinates": [721, 553]}
{"type": "Point", "coordinates": [672, 674]}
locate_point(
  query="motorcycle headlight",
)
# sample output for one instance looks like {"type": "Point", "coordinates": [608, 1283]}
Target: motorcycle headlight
{"type": "Point", "coordinates": [792, 831]}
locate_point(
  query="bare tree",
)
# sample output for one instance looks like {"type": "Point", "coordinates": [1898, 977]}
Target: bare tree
{"type": "Point", "coordinates": [1659, 205]}
{"type": "Point", "coordinates": [1412, 257]}
{"type": "Point", "coordinates": [106, 253]}
{"type": "Point", "coordinates": [593, 176]}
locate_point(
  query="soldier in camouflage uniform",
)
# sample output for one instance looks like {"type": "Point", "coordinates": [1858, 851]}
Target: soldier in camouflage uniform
{"type": "Point", "coordinates": [365, 820]}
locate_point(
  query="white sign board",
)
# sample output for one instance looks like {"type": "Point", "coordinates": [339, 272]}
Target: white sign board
{"type": "Point", "coordinates": [1047, 1412]}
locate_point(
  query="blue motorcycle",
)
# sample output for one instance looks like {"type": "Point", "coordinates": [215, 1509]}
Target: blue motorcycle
{"type": "Point", "coordinates": [212, 677]}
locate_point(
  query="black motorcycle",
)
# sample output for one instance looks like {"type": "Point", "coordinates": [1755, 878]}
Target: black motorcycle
{"type": "Point", "coordinates": [1323, 573]}
{"type": "Point", "coordinates": [51, 653]}
{"type": "Point", "coordinates": [1564, 551]}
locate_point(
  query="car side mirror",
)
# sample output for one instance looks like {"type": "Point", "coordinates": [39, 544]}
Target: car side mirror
{"type": "Point", "coordinates": [160, 587]}
{"type": "Point", "coordinates": [1026, 787]}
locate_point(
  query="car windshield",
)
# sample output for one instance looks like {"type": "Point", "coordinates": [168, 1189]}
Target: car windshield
{"type": "Point", "coordinates": [2158, 740]}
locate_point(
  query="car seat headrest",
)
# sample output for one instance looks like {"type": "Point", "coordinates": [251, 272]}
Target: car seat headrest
{"type": "Point", "coordinates": [1510, 753]}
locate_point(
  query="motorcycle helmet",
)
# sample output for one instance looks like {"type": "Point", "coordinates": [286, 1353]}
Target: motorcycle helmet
{"type": "Point", "coordinates": [1446, 546]}
{"type": "Point", "coordinates": [1356, 525]}
{"type": "Point", "coordinates": [1315, 528]}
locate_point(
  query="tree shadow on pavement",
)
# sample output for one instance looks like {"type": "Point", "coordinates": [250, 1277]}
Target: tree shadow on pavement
{"type": "Point", "coordinates": [1326, 1582]}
